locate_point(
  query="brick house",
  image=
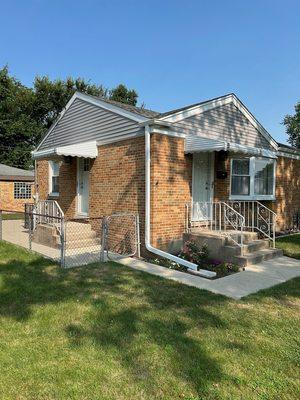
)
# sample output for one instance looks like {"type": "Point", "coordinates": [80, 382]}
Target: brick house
{"type": "Point", "coordinates": [202, 169]}
{"type": "Point", "coordinates": [16, 188]}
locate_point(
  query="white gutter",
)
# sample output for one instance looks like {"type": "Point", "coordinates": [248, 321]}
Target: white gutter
{"type": "Point", "coordinates": [147, 211]}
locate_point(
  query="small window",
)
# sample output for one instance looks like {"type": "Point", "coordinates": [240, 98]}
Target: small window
{"type": "Point", "coordinates": [53, 177]}
{"type": "Point", "coordinates": [240, 177]}
{"type": "Point", "coordinates": [22, 190]}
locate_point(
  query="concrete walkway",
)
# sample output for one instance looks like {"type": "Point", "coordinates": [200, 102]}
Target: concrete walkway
{"type": "Point", "coordinates": [254, 278]}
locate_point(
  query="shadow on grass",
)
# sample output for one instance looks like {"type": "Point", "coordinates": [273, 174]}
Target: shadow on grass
{"type": "Point", "coordinates": [130, 314]}
{"type": "Point", "coordinates": [136, 316]}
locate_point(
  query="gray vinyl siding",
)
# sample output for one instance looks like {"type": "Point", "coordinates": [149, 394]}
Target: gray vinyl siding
{"type": "Point", "coordinates": [226, 123]}
{"type": "Point", "coordinates": [84, 122]}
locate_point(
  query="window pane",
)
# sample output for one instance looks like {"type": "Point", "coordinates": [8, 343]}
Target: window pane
{"type": "Point", "coordinates": [240, 185]}
{"type": "Point", "coordinates": [240, 167]}
{"type": "Point", "coordinates": [55, 188]}
{"type": "Point", "coordinates": [55, 168]}
{"type": "Point", "coordinates": [264, 177]}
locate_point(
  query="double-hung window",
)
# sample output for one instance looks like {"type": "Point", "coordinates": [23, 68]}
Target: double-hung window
{"type": "Point", "coordinates": [252, 178]}
{"type": "Point", "coordinates": [53, 178]}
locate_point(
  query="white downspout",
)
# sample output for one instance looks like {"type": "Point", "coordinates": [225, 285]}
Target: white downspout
{"type": "Point", "coordinates": [152, 249]}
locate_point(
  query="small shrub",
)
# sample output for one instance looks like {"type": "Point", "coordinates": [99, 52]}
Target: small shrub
{"type": "Point", "coordinates": [165, 262]}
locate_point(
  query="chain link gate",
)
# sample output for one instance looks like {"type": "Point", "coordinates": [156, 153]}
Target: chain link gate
{"type": "Point", "coordinates": [121, 236]}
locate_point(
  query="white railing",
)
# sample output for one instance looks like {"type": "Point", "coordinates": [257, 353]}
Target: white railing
{"type": "Point", "coordinates": [258, 217]}
{"type": "Point", "coordinates": [216, 216]}
{"type": "Point", "coordinates": [236, 216]}
{"type": "Point", "coordinates": [48, 212]}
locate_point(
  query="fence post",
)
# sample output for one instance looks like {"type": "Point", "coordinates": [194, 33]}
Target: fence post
{"type": "Point", "coordinates": [30, 227]}
{"type": "Point", "coordinates": [0, 224]}
{"type": "Point", "coordinates": [138, 241]}
{"type": "Point", "coordinates": [103, 240]}
{"type": "Point", "coordinates": [62, 242]}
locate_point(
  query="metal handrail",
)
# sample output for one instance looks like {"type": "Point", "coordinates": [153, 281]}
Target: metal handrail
{"type": "Point", "coordinates": [48, 212]}
{"type": "Point", "coordinates": [258, 217]}
{"type": "Point", "coordinates": [216, 216]}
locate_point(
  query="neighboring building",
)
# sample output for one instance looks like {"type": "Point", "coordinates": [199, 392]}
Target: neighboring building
{"type": "Point", "coordinates": [92, 161]}
{"type": "Point", "coordinates": [16, 188]}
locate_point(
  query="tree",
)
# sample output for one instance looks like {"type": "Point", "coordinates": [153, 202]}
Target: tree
{"type": "Point", "coordinates": [52, 96]}
{"type": "Point", "coordinates": [292, 124]}
{"type": "Point", "coordinates": [27, 113]}
{"type": "Point", "coordinates": [124, 95]}
{"type": "Point", "coordinates": [19, 131]}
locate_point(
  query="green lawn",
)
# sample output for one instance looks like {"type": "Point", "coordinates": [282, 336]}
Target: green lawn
{"type": "Point", "coordinates": [290, 245]}
{"type": "Point", "coordinates": [108, 332]}
{"type": "Point", "coordinates": [12, 216]}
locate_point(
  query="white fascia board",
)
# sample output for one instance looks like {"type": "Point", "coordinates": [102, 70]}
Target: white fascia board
{"type": "Point", "coordinates": [288, 155]}
{"type": "Point", "coordinates": [166, 132]}
{"type": "Point", "coordinates": [43, 153]}
{"type": "Point", "coordinates": [110, 107]}
{"type": "Point", "coordinates": [231, 98]}
{"type": "Point", "coordinates": [159, 122]}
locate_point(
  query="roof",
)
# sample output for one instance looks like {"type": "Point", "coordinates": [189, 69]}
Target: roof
{"type": "Point", "coordinates": [128, 107]}
{"type": "Point", "coordinates": [143, 116]}
{"type": "Point", "coordinates": [12, 173]}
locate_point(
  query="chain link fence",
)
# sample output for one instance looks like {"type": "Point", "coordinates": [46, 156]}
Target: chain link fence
{"type": "Point", "coordinates": [122, 236]}
{"type": "Point", "coordinates": [72, 242]}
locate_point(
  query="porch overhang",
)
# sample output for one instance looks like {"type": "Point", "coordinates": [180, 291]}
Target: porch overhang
{"type": "Point", "coordinates": [195, 144]}
{"type": "Point", "coordinates": [85, 150]}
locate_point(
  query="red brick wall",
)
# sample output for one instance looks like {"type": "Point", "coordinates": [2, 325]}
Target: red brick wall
{"type": "Point", "coordinates": [67, 185]}
{"type": "Point", "coordinates": [7, 200]}
{"type": "Point", "coordinates": [287, 191]}
{"type": "Point", "coordinates": [171, 185]}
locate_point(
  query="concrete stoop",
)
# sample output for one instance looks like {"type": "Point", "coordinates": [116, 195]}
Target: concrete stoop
{"type": "Point", "coordinates": [78, 235]}
{"type": "Point", "coordinates": [222, 246]}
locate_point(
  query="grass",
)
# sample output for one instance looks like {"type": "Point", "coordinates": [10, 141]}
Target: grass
{"type": "Point", "coordinates": [290, 245]}
{"type": "Point", "coordinates": [12, 216]}
{"type": "Point", "coordinates": [108, 332]}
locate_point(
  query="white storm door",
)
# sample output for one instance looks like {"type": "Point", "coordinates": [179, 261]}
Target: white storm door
{"type": "Point", "coordinates": [83, 175]}
{"type": "Point", "coordinates": [202, 189]}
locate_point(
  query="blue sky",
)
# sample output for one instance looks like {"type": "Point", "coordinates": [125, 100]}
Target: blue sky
{"type": "Point", "coordinates": [174, 53]}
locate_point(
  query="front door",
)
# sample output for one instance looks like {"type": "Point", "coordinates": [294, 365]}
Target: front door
{"type": "Point", "coordinates": [203, 181]}
{"type": "Point", "coordinates": [83, 172]}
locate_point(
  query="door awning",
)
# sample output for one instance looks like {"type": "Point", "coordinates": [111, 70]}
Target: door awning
{"type": "Point", "coordinates": [195, 144]}
{"type": "Point", "coordinates": [85, 150]}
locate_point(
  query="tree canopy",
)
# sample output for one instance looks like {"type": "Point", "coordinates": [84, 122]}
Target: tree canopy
{"type": "Point", "coordinates": [292, 124]}
{"type": "Point", "coordinates": [26, 113]}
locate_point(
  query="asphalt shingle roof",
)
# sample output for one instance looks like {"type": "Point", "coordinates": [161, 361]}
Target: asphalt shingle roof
{"type": "Point", "coordinates": [6, 170]}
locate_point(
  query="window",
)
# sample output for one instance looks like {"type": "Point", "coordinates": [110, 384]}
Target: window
{"type": "Point", "coordinates": [22, 190]}
{"type": "Point", "coordinates": [86, 164]}
{"type": "Point", "coordinates": [53, 177]}
{"type": "Point", "coordinates": [253, 178]}
{"type": "Point", "coordinates": [240, 177]}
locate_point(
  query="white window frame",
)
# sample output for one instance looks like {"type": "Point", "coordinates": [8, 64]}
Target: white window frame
{"type": "Point", "coordinates": [51, 175]}
{"type": "Point", "coordinates": [252, 195]}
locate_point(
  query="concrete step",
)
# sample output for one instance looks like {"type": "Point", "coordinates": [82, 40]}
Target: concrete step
{"type": "Point", "coordinates": [83, 243]}
{"type": "Point", "coordinates": [248, 237]}
{"type": "Point", "coordinates": [251, 247]}
{"type": "Point", "coordinates": [257, 257]}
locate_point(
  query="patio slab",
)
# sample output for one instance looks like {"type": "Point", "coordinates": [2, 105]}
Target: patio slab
{"type": "Point", "coordinates": [254, 278]}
